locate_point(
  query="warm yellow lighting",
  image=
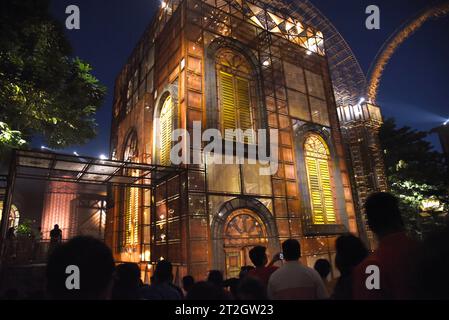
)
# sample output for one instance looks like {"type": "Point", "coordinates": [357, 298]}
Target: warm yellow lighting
{"type": "Point", "coordinates": [166, 123]}
{"type": "Point", "coordinates": [183, 64]}
{"type": "Point", "coordinates": [146, 255]}
{"type": "Point", "coordinates": [132, 216]}
{"type": "Point", "coordinates": [287, 28]}
{"type": "Point", "coordinates": [234, 92]}
{"type": "Point", "coordinates": [319, 180]}
{"type": "Point", "coordinates": [431, 204]}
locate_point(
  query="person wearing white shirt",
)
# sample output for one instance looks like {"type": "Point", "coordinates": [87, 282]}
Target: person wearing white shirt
{"type": "Point", "coordinates": [294, 281]}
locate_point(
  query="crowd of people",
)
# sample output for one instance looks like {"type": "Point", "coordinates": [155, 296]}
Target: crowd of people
{"type": "Point", "coordinates": [407, 269]}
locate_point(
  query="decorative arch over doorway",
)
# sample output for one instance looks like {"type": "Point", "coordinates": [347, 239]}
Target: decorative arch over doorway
{"type": "Point", "coordinates": [239, 225]}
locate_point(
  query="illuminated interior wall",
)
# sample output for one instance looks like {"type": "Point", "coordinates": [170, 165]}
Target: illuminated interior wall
{"type": "Point", "coordinates": [58, 209]}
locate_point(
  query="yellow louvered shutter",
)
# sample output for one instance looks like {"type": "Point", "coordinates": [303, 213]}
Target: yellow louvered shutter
{"type": "Point", "coordinates": [328, 199]}
{"type": "Point", "coordinates": [244, 106]}
{"type": "Point", "coordinates": [227, 103]}
{"type": "Point", "coordinates": [128, 217]}
{"type": "Point", "coordinates": [166, 123]}
{"type": "Point", "coordinates": [319, 179]}
{"type": "Point", "coordinates": [315, 191]}
{"type": "Point", "coordinates": [132, 216]}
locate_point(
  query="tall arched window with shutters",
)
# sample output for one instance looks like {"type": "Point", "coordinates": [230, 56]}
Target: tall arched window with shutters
{"type": "Point", "coordinates": [131, 204]}
{"type": "Point", "coordinates": [319, 179]}
{"type": "Point", "coordinates": [236, 93]}
{"type": "Point", "coordinates": [166, 128]}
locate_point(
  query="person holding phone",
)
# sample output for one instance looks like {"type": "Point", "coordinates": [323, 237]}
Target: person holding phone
{"type": "Point", "coordinates": [295, 281]}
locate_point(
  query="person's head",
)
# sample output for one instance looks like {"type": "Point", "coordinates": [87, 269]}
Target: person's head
{"type": "Point", "coordinates": [383, 214]}
{"type": "Point", "coordinates": [323, 267]}
{"type": "Point", "coordinates": [206, 291]}
{"type": "Point", "coordinates": [244, 271]}
{"type": "Point", "coordinates": [251, 288]}
{"type": "Point", "coordinates": [350, 252]}
{"type": "Point", "coordinates": [215, 277]}
{"type": "Point", "coordinates": [163, 272]}
{"type": "Point", "coordinates": [291, 250]}
{"type": "Point", "coordinates": [258, 256]}
{"type": "Point", "coordinates": [89, 262]}
{"type": "Point", "coordinates": [128, 275]}
{"type": "Point", "coordinates": [56, 226]}
{"type": "Point", "coordinates": [187, 283]}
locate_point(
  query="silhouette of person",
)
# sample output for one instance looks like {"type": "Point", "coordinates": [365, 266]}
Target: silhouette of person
{"type": "Point", "coordinates": [95, 264]}
{"type": "Point", "coordinates": [259, 258]}
{"type": "Point", "coordinates": [251, 288]}
{"type": "Point", "coordinates": [215, 277]}
{"type": "Point", "coordinates": [390, 263]}
{"type": "Point", "coordinates": [56, 234]}
{"type": "Point", "coordinates": [294, 281]}
{"type": "Point", "coordinates": [350, 252]}
{"type": "Point", "coordinates": [162, 287]}
{"type": "Point", "coordinates": [187, 283]}
{"type": "Point", "coordinates": [244, 271]}
{"type": "Point", "coordinates": [323, 267]}
{"type": "Point", "coordinates": [127, 282]}
{"type": "Point", "coordinates": [55, 238]}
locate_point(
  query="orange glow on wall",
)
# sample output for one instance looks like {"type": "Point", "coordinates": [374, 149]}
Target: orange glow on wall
{"type": "Point", "coordinates": [57, 209]}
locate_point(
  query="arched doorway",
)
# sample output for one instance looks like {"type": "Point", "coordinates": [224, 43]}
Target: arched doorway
{"type": "Point", "coordinates": [240, 225]}
{"type": "Point", "coordinates": [243, 230]}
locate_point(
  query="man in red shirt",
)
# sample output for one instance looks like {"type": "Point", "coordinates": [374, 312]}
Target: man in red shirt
{"type": "Point", "coordinates": [386, 273]}
{"type": "Point", "coordinates": [259, 258]}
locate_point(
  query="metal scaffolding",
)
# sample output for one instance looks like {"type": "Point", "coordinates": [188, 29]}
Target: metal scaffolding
{"type": "Point", "coordinates": [47, 166]}
{"type": "Point", "coordinates": [348, 79]}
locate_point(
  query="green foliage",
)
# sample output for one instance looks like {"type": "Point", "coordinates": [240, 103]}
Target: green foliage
{"type": "Point", "coordinates": [415, 172]}
{"type": "Point", "coordinates": [10, 138]}
{"type": "Point", "coordinates": [43, 91]}
{"type": "Point", "coordinates": [24, 228]}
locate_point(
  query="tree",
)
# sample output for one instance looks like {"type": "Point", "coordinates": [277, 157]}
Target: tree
{"type": "Point", "coordinates": [43, 90]}
{"type": "Point", "coordinates": [415, 172]}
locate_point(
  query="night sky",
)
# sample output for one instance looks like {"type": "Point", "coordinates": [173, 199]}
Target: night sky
{"type": "Point", "coordinates": [414, 88]}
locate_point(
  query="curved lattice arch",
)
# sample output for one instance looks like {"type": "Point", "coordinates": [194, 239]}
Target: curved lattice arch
{"type": "Point", "coordinates": [435, 11]}
{"type": "Point", "coordinates": [130, 151]}
{"type": "Point", "coordinates": [14, 217]}
{"type": "Point", "coordinates": [348, 79]}
{"type": "Point", "coordinates": [168, 98]}
{"type": "Point", "coordinates": [225, 213]}
{"type": "Point", "coordinates": [320, 181]}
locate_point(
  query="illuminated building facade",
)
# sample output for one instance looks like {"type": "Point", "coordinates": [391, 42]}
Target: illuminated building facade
{"type": "Point", "coordinates": [360, 125]}
{"type": "Point", "coordinates": [229, 64]}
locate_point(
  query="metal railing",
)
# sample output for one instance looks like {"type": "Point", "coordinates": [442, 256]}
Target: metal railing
{"type": "Point", "coordinates": [22, 251]}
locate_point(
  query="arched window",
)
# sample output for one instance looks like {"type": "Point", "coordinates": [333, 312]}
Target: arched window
{"type": "Point", "coordinates": [166, 127]}
{"type": "Point", "coordinates": [131, 218]}
{"type": "Point", "coordinates": [14, 217]}
{"type": "Point", "coordinates": [319, 180]}
{"type": "Point", "coordinates": [236, 93]}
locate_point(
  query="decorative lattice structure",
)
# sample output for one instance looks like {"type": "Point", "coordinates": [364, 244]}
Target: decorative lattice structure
{"type": "Point", "coordinates": [246, 64]}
